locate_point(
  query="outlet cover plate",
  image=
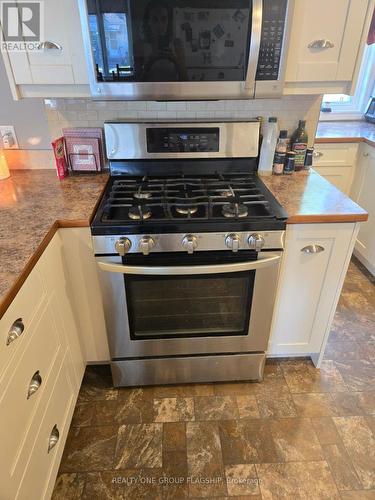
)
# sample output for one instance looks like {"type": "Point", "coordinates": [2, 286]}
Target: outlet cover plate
{"type": "Point", "coordinates": [8, 130]}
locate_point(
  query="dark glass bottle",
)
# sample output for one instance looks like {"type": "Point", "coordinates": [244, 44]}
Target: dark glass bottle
{"type": "Point", "coordinates": [298, 143]}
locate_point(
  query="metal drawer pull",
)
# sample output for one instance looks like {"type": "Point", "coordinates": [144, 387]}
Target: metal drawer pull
{"type": "Point", "coordinates": [321, 44]}
{"type": "Point", "coordinates": [16, 330]}
{"type": "Point", "coordinates": [313, 249]}
{"type": "Point", "coordinates": [47, 45]}
{"type": "Point", "coordinates": [317, 154]}
{"type": "Point", "coordinates": [35, 383]}
{"type": "Point", "coordinates": [53, 438]}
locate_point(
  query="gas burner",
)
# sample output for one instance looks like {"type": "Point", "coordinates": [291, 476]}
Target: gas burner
{"type": "Point", "coordinates": [139, 212]}
{"type": "Point", "coordinates": [186, 210]}
{"type": "Point", "coordinates": [142, 195]}
{"type": "Point", "coordinates": [232, 210]}
{"type": "Point", "coordinates": [226, 193]}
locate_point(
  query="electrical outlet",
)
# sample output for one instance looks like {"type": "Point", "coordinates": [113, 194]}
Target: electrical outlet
{"type": "Point", "coordinates": [8, 137]}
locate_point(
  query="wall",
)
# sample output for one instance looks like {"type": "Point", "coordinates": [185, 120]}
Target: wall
{"type": "Point", "coordinates": [28, 116]}
{"type": "Point", "coordinates": [85, 112]}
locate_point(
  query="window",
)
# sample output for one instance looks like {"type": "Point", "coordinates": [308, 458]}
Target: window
{"type": "Point", "coordinates": [344, 107]}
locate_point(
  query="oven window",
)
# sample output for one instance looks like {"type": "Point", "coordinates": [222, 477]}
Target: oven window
{"type": "Point", "coordinates": [193, 306]}
{"type": "Point", "coordinates": [170, 40]}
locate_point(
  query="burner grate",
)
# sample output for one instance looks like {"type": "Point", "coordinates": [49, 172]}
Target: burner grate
{"type": "Point", "coordinates": [178, 197]}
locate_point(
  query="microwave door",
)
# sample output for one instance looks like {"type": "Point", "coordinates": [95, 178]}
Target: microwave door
{"type": "Point", "coordinates": [183, 49]}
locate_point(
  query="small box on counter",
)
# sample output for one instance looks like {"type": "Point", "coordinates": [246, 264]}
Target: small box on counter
{"type": "Point", "coordinates": [59, 152]}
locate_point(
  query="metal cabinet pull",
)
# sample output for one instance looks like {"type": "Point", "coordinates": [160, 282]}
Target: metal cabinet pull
{"type": "Point", "coordinates": [321, 44]}
{"type": "Point", "coordinates": [53, 438]}
{"type": "Point", "coordinates": [366, 155]}
{"type": "Point", "coordinates": [35, 383]}
{"type": "Point", "coordinates": [317, 154]}
{"type": "Point", "coordinates": [313, 249]}
{"type": "Point", "coordinates": [16, 330]}
{"type": "Point", "coordinates": [47, 45]}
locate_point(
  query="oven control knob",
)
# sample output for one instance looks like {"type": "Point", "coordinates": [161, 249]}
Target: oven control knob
{"type": "Point", "coordinates": [122, 246]}
{"type": "Point", "coordinates": [256, 242]}
{"type": "Point", "coordinates": [232, 241]}
{"type": "Point", "coordinates": [190, 243]}
{"type": "Point", "coordinates": [146, 244]}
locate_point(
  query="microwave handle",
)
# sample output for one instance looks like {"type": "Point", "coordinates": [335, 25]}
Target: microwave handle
{"type": "Point", "coordinates": [256, 36]}
{"type": "Point", "coordinates": [237, 267]}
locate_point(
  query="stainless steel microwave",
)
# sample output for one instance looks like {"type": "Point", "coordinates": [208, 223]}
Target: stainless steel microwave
{"type": "Point", "coordinates": [185, 49]}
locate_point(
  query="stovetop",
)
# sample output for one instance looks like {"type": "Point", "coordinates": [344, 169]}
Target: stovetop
{"type": "Point", "coordinates": [178, 203]}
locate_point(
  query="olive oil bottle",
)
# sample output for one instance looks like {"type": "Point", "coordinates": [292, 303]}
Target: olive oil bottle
{"type": "Point", "coordinates": [298, 144]}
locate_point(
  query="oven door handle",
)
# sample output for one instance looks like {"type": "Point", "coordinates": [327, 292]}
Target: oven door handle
{"type": "Point", "coordinates": [237, 267]}
{"type": "Point", "coordinates": [256, 37]}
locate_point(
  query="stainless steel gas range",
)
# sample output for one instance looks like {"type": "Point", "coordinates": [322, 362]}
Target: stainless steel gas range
{"type": "Point", "coordinates": [188, 243]}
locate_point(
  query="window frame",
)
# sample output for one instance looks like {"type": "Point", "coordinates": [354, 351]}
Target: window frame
{"type": "Point", "coordinates": [356, 108]}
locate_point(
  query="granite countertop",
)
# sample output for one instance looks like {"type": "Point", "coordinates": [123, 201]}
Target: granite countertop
{"type": "Point", "coordinates": [33, 205]}
{"type": "Point", "coordinates": [346, 131]}
{"type": "Point", "coordinates": [308, 197]}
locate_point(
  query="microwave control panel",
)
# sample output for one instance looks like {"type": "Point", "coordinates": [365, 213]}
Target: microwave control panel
{"type": "Point", "coordinates": [273, 25]}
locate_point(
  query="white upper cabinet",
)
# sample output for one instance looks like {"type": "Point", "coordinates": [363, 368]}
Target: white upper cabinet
{"type": "Point", "coordinates": [327, 42]}
{"type": "Point", "coordinates": [60, 63]}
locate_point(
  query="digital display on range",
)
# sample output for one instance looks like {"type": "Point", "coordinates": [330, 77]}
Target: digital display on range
{"type": "Point", "coordinates": [182, 140]}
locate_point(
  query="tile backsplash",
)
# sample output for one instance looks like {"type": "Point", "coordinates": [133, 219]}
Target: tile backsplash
{"type": "Point", "coordinates": [86, 112]}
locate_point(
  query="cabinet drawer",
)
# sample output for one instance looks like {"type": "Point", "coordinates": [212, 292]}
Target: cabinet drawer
{"type": "Point", "coordinates": [41, 470]}
{"type": "Point", "coordinates": [15, 324]}
{"type": "Point", "coordinates": [335, 155]}
{"type": "Point", "coordinates": [23, 388]}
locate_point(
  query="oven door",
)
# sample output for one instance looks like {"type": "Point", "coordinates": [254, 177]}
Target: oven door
{"type": "Point", "coordinates": [172, 49]}
{"type": "Point", "coordinates": [179, 304]}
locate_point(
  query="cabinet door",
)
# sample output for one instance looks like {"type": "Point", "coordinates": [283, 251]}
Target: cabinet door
{"type": "Point", "coordinates": [309, 287]}
{"type": "Point", "coordinates": [363, 193]}
{"type": "Point", "coordinates": [65, 65]}
{"type": "Point", "coordinates": [340, 24]}
{"type": "Point", "coordinates": [338, 176]}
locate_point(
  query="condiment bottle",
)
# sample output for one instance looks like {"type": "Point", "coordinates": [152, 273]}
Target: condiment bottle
{"type": "Point", "coordinates": [299, 141]}
{"type": "Point", "coordinates": [309, 158]}
{"type": "Point", "coordinates": [267, 151]}
{"type": "Point", "coordinates": [278, 163]}
{"type": "Point", "coordinates": [282, 143]}
{"type": "Point", "coordinates": [289, 165]}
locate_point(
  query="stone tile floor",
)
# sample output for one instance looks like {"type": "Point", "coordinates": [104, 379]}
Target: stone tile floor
{"type": "Point", "coordinates": [301, 434]}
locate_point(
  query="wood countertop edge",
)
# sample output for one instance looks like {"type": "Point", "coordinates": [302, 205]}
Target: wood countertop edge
{"type": "Point", "coordinates": [343, 140]}
{"type": "Point", "coordinates": [330, 218]}
{"type": "Point", "coordinates": [30, 264]}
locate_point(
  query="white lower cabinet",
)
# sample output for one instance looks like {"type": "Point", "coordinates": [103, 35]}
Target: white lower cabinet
{"type": "Point", "coordinates": [314, 266]}
{"type": "Point", "coordinates": [362, 192]}
{"type": "Point", "coordinates": [40, 375]}
{"type": "Point", "coordinates": [336, 163]}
